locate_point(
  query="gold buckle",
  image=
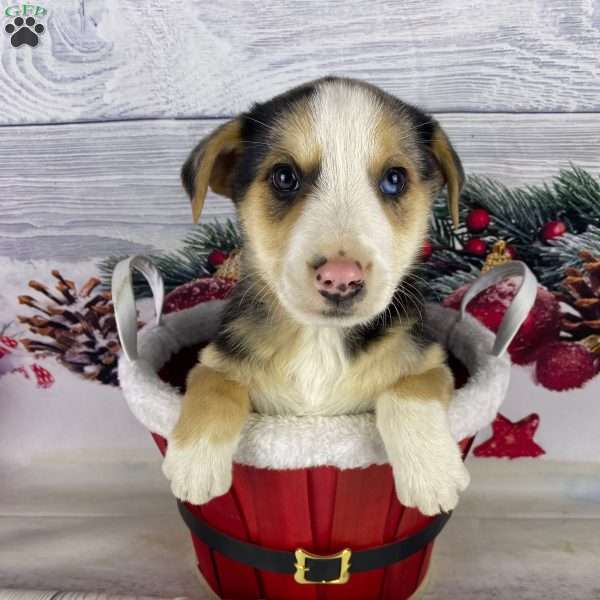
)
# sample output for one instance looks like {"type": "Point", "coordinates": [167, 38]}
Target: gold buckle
{"type": "Point", "coordinates": [302, 569]}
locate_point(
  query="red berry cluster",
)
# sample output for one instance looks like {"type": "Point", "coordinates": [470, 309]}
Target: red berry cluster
{"type": "Point", "coordinates": [478, 220]}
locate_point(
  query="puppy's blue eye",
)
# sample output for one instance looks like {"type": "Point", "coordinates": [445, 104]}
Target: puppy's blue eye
{"type": "Point", "coordinates": [284, 179]}
{"type": "Point", "coordinates": [393, 181]}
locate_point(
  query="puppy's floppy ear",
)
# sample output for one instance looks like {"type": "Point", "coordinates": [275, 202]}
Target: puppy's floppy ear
{"type": "Point", "coordinates": [212, 163]}
{"type": "Point", "coordinates": [450, 166]}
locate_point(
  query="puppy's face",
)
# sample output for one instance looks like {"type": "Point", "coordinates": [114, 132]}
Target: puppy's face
{"type": "Point", "coordinates": [333, 183]}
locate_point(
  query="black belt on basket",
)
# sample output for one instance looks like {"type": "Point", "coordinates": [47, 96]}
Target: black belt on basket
{"type": "Point", "coordinates": [307, 567]}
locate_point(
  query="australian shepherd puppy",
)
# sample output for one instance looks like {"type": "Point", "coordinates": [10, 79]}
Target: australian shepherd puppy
{"type": "Point", "coordinates": [333, 184]}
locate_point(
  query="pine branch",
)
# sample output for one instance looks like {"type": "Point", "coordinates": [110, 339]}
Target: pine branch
{"type": "Point", "coordinates": [517, 217]}
{"type": "Point", "coordinates": [563, 253]}
{"type": "Point", "coordinates": [444, 272]}
{"type": "Point", "coordinates": [442, 232]}
{"type": "Point", "coordinates": [517, 214]}
{"type": "Point", "coordinates": [579, 193]}
{"type": "Point", "coordinates": [186, 264]}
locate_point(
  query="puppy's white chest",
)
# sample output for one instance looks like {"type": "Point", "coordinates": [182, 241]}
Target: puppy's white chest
{"type": "Point", "coordinates": [318, 367]}
{"type": "Point", "coordinates": [309, 380]}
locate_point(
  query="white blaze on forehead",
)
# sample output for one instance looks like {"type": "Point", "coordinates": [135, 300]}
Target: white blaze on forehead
{"type": "Point", "coordinates": [346, 119]}
{"type": "Point", "coordinates": [344, 210]}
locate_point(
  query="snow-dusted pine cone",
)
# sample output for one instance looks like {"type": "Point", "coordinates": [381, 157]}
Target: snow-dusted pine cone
{"type": "Point", "coordinates": [582, 293]}
{"type": "Point", "coordinates": [76, 325]}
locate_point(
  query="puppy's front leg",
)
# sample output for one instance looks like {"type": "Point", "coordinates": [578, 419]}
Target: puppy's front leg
{"type": "Point", "coordinates": [200, 451]}
{"type": "Point", "coordinates": [426, 461]}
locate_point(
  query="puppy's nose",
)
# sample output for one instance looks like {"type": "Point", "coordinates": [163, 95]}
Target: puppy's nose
{"type": "Point", "coordinates": [339, 278]}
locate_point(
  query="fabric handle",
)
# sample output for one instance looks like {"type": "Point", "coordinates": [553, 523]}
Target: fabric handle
{"type": "Point", "coordinates": [520, 306]}
{"type": "Point", "coordinates": [124, 300]}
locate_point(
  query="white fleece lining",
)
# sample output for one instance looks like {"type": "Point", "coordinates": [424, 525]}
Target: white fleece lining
{"type": "Point", "coordinates": [348, 441]}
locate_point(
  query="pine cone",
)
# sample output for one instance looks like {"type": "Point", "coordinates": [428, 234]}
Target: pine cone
{"type": "Point", "coordinates": [80, 327]}
{"type": "Point", "coordinates": [581, 291]}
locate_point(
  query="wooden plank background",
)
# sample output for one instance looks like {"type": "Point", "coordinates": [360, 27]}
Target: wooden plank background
{"type": "Point", "coordinates": [97, 119]}
{"type": "Point", "coordinates": [115, 59]}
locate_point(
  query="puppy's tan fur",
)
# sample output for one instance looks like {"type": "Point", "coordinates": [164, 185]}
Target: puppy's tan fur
{"type": "Point", "coordinates": [280, 349]}
{"type": "Point", "coordinates": [217, 401]}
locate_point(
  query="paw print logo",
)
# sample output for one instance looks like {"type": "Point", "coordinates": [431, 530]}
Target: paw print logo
{"type": "Point", "coordinates": [24, 31]}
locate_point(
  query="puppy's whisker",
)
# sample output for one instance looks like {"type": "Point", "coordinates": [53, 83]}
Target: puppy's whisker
{"type": "Point", "coordinates": [270, 146]}
{"type": "Point", "coordinates": [403, 309]}
{"type": "Point", "coordinates": [262, 297]}
{"type": "Point", "coordinates": [414, 297]}
{"type": "Point", "coordinates": [420, 279]}
{"type": "Point", "coordinates": [389, 312]}
{"type": "Point", "coordinates": [263, 144]}
{"type": "Point", "coordinates": [246, 292]}
{"type": "Point", "coordinates": [424, 124]}
{"type": "Point", "coordinates": [259, 122]}
{"type": "Point", "coordinates": [414, 287]}
{"type": "Point", "coordinates": [397, 311]}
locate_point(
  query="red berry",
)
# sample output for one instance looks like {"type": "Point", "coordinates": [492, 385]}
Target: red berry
{"type": "Point", "coordinates": [510, 250]}
{"type": "Point", "coordinates": [478, 220]}
{"type": "Point", "coordinates": [564, 366]}
{"type": "Point", "coordinates": [426, 250]}
{"type": "Point", "coordinates": [476, 246]}
{"type": "Point", "coordinates": [217, 257]}
{"type": "Point", "coordinates": [553, 229]}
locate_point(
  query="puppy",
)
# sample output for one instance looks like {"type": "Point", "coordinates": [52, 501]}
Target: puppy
{"type": "Point", "coordinates": [333, 184]}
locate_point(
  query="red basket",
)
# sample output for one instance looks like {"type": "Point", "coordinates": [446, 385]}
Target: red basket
{"type": "Point", "coordinates": [320, 509]}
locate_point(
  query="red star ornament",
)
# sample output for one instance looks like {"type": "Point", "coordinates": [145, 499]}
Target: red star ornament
{"type": "Point", "coordinates": [511, 440]}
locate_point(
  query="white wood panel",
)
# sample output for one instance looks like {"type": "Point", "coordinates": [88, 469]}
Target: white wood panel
{"type": "Point", "coordinates": [115, 59]}
{"type": "Point", "coordinates": [75, 191]}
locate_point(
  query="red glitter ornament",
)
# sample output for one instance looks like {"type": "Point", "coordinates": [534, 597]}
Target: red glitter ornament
{"type": "Point", "coordinates": [478, 220]}
{"type": "Point", "coordinates": [511, 440]}
{"type": "Point", "coordinates": [197, 291]}
{"type": "Point", "coordinates": [552, 230]}
{"type": "Point", "coordinates": [541, 326]}
{"type": "Point", "coordinates": [565, 366]}
{"type": "Point", "coordinates": [476, 247]}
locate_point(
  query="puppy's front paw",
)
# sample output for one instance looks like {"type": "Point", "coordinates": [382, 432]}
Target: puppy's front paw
{"type": "Point", "coordinates": [200, 470]}
{"type": "Point", "coordinates": [433, 483]}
